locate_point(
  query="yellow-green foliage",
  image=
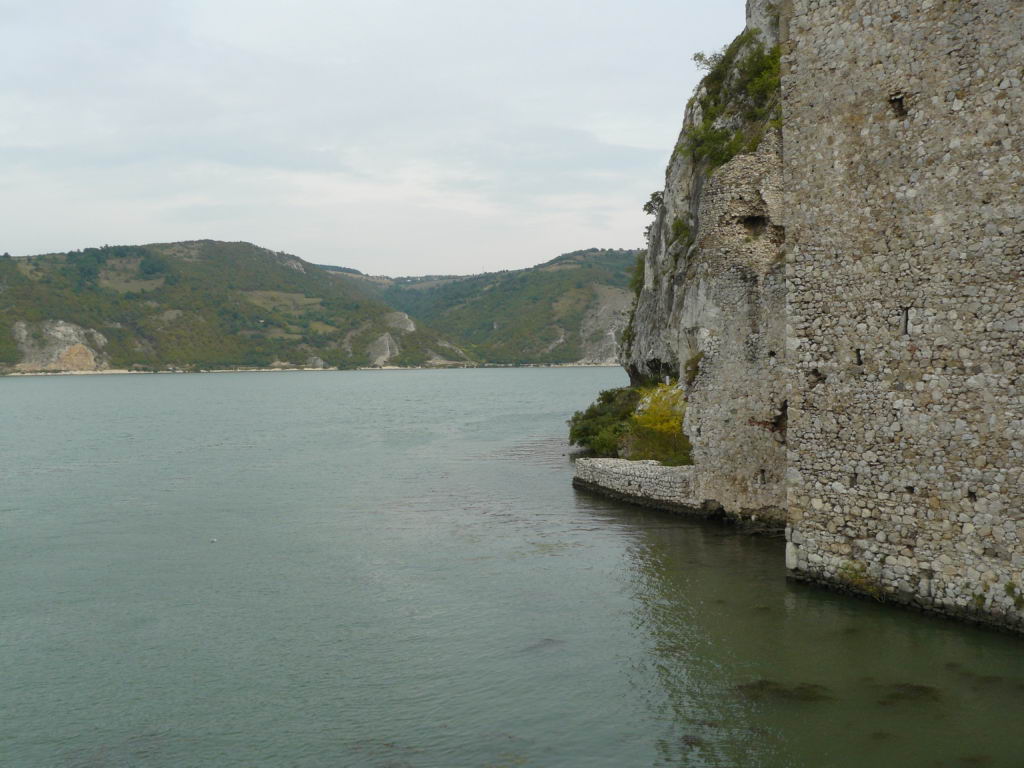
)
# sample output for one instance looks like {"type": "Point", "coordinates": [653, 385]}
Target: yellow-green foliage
{"type": "Point", "coordinates": [656, 428]}
{"type": "Point", "coordinates": [635, 423]}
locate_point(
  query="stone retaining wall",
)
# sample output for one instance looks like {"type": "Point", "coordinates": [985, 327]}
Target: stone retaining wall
{"type": "Point", "coordinates": [641, 482]}
{"type": "Point", "coordinates": [651, 484]}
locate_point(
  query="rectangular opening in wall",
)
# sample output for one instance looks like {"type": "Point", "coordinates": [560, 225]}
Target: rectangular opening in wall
{"type": "Point", "coordinates": [905, 322]}
{"type": "Point", "coordinates": [781, 421]}
{"type": "Point", "coordinates": [910, 489]}
{"type": "Point", "coordinates": [853, 480]}
{"type": "Point", "coordinates": [860, 357]}
{"type": "Point", "coordinates": [898, 103]}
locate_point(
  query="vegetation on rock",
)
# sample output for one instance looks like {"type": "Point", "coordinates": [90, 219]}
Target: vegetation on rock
{"type": "Point", "coordinates": [738, 100]}
{"type": "Point", "coordinates": [635, 423]}
{"type": "Point", "coordinates": [636, 275]}
{"type": "Point", "coordinates": [602, 426]}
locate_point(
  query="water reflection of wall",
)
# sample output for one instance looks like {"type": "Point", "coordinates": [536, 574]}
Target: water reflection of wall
{"type": "Point", "coordinates": [744, 668]}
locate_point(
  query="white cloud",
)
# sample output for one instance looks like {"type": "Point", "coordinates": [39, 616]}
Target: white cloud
{"type": "Point", "coordinates": [395, 136]}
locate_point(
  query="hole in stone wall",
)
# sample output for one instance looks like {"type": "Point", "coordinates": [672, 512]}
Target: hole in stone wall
{"type": "Point", "coordinates": [763, 476]}
{"type": "Point", "coordinates": [860, 357]}
{"type": "Point", "coordinates": [781, 421]}
{"type": "Point", "coordinates": [910, 489]}
{"type": "Point", "coordinates": [853, 479]}
{"type": "Point", "coordinates": [972, 496]}
{"type": "Point", "coordinates": [905, 322]}
{"type": "Point", "coordinates": [771, 353]}
{"type": "Point", "coordinates": [898, 102]}
{"type": "Point", "coordinates": [816, 377]}
{"type": "Point", "coordinates": [755, 225]}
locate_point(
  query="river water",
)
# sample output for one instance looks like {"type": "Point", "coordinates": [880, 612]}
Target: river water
{"type": "Point", "coordinates": [391, 569]}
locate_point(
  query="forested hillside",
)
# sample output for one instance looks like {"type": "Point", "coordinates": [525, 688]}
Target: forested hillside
{"type": "Point", "coordinates": [202, 304]}
{"type": "Point", "coordinates": [208, 304]}
{"type": "Point", "coordinates": [565, 310]}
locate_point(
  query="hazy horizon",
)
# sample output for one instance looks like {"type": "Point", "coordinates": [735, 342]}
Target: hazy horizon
{"type": "Point", "coordinates": [394, 139]}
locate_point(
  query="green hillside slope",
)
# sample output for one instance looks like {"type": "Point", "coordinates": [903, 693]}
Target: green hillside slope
{"type": "Point", "coordinates": [202, 304]}
{"type": "Point", "coordinates": [566, 310]}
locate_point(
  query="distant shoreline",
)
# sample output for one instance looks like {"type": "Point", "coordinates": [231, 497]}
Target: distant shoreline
{"type": "Point", "coordinates": [126, 372]}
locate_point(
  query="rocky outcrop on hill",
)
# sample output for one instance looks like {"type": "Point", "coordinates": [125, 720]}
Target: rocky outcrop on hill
{"type": "Point", "coordinates": [56, 346]}
{"type": "Point", "coordinates": [571, 309]}
{"type": "Point", "coordinates": [603, 324]}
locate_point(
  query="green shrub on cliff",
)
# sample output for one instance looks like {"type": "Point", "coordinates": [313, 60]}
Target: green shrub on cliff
{"type": "Point", "coordinates": [602, 426]}
{"type": "Point", "coordinates": [634, 423]}
{"type": "Point", "coordinates": [739, 100]}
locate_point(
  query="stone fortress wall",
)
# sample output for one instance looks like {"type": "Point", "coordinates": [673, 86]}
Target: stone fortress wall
{"type": "Point", "coordinates": [889, 359]}
{"type": "Point", "coordinates": [904, 184]}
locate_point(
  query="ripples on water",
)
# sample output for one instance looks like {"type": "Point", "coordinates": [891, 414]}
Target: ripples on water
{"type": "Point", "coordinates": [402, 576]}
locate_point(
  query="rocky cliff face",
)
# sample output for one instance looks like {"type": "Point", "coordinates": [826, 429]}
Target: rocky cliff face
{"type": "Point", "coordinates": [55, 345]}
{"type": "Point", "coordinates": [603, 324]}
{"type": "Point", "coordinates": [712, 308]}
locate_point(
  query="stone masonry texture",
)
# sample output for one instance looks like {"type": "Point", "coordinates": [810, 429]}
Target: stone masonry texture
{"type": "Point", "coordinates": [904, 214]}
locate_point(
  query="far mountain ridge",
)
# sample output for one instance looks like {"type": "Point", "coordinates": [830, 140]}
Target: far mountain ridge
{"type": "Point", "coordinates": [572, 308]}
{"type": "Point", "coordinates": [208, 304]}
{"type": "Point", "coordinates": [571, 256]}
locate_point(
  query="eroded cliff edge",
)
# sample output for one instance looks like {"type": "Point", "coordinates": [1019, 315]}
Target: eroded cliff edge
{"type": "Point", "coordinates": [711, 311]}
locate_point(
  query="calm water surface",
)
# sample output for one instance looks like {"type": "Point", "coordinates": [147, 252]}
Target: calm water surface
{"type": "Point", "coordinates": [391, 569]}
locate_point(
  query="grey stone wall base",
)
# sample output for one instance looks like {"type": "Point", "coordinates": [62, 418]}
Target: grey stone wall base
{"type": "Point", "coordinates": [611, 485]}
{"type": "Point", "coordinates": [995, 622]}
{"type": "Point", "coordinates": [645, 501]}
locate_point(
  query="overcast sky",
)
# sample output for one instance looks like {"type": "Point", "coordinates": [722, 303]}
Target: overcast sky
{"type": "Point", "coordinates": [393, 136]}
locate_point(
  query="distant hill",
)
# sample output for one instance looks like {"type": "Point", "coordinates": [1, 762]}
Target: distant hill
{"type": "Point", "coordinates": [207, 305]}
{"type": "Point", "coordinates": [570, 309]}
{"type": "Point", "coordinates": [202, 304]}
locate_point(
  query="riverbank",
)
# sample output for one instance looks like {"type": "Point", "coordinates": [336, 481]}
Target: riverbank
{"type": "Point", "coordinates": [124, 371]}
